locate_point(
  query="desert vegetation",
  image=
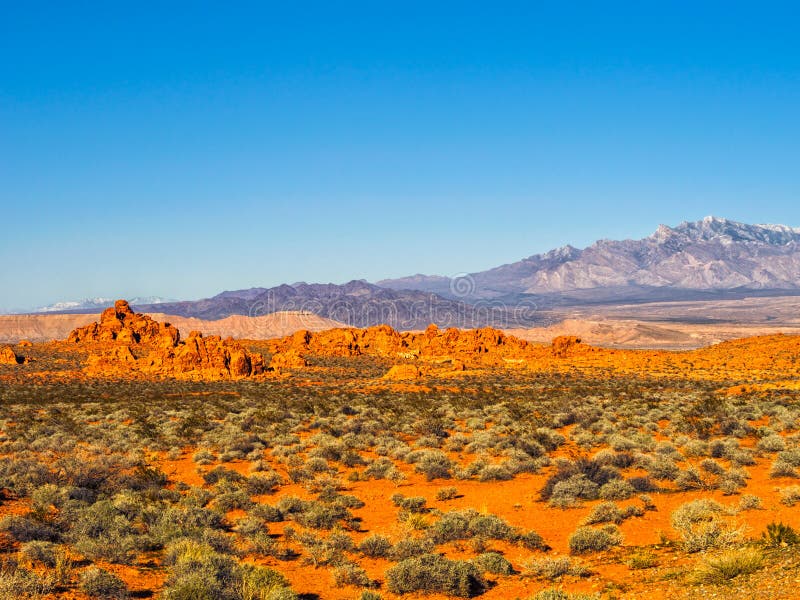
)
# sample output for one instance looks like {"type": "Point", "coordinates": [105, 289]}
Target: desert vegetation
{"type": "Point", "coordinates": [335, 483]}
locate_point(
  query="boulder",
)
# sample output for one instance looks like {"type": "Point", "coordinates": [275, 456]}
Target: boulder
{"type": "Point", "coordinates": [9, 357]}
{"type": "Point", "coordinates": [563, 345]}
{"type": "Point", "coordinates": [403, 372]}
{"type": "Point", "coordinates": [290, 359]}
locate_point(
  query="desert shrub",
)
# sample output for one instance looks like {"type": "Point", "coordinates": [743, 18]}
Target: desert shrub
{"type": "Point", "coordinates": [588, 539]}
{"type": "Point", "coordinates": [777, 535]}
{"type": "Point", "coordinates": [642, 560]}
{"type": "Point", "coordinates": [40, 552]}
{"type": "Point", "coordinates": [411, 547]}
{"type": "Point", "coordinates": [495, 473]}
{"type": "Point", "coordinates": [790, 495]}
{"type": "Point", "coordinates": [662, 468]}
{"type": "Point", "coordinates": [616, 489]}
{"type": "Point", "coordinates": [99, 583]}
{"type": "Point", "coordinates": [791, 456]}
{"type": "Point", "coordinates": [379, 469]}
{"type": "Point", "coordinates": [375, 546]}
{"type": "Point", "coordinates": [351, 574]}
{"type": "Point", "coordinates": [781, 468]}
{"type": "Point", "coordinates": [771, 443]}
{"type": "Point", "coordinates": [460, 525]}
{"type": "Point", "coordinates": [729, 564]}
{"type": "Point", "coordinates": [203, 457]}
{"type": "Point", "coordinates": [447, 493]}
{"type": "Point", "coordinates": [434, 464]}
{"type": "Point", "coordinates": [22, 584]}
{"type": "Point", "coordinates": [434, 573]}
{"type": "Point", "coordinates": [566, 493]}
{"type": "Point", "coordinates": [691, 479]}
{"type": "Point", "coordinates": [197, 571]}
{"type": "Point", "coordinates": [495, 563]}
{"type": "Point", "coordinates": [367, 595]}
{"type": "Point", "coordinates": [548, 438]}
{"type": "Point", "coordinates": [749, 502]}
{"type": "Point", "coordinates": [232, 499]}
{"type": "Point", "coordinates": [101, 531]}
{"type": "Point", "coordinates": [554, 567]}
{"type": "Point", "coordinates": [414, 504]}
{"type": "Point", "coordinates": [24, 529]}
{"type": "Point", "coordinates": [709, 465]}
{"type": "Point", "coordinates": [220, 473]}
{"type": "Point", "coordinates": [608, 512]}
{"type": "Point", "coordinates": [263, 483]}
{"type": "Point", "coordinates": [313, 514]}
{"type": "Point", "coordinates": [701, 525]}
{"type": "Point", "coordinates": [582, 478]}
{"type": "Point", "coordinates": [643, 484]}
{"type": "Point", "coordinates": [531, 540]}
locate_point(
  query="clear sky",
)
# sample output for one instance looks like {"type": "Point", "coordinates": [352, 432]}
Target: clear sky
{"type": "Point", "coordinates": [182, 149]}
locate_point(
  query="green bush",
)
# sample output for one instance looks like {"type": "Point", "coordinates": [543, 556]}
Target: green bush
{"type": "Point", "coordinates": [778, 535]}
{"type": "Point", "coordinates": [375, 546]}
{"type": "Point", "coordinates": [495, 563]}
{"type": "Point", "coordinates": [729, 564]}
{"type": "Point", "coordinates": [555, 567]}
{"type": "Point", "coordinates": [99, 583]}
{"type": "Point", "coordinates": [702, 526]}
{"type": "Point", "coordinates": [588, 539]}
{"type": "Point", "coordinates": [435, 573]}
{"type": "Point", "coordinates": [447, 493]}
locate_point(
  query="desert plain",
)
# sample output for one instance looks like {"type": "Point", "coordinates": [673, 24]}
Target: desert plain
{"type": "Point", "coordinates": [142, 460]}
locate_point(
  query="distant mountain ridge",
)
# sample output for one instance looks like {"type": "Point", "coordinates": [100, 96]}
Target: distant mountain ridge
{"type": "Point", "coordinates": [711, 255]}
{"type": "Point", "coordinates": [94, 304]}
{"type": "Point", "coordinates": [356, 303]}
{"type": "Point", "coordinates": [710, 259]}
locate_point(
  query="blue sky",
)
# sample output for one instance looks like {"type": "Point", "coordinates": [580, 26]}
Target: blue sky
{"type": "Point", "coordinates": [183, 150]}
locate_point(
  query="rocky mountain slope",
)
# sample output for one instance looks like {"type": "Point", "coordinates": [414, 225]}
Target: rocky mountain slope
{"type": "Point", "coordinates": [713, 255]}
{"type": "Point", "coordinates": [357, 303]}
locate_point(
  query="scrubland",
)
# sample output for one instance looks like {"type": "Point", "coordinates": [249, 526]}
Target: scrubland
{"type": "Point", "coordinates": [334, 483]}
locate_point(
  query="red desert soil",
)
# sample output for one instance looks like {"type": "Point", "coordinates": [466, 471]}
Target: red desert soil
{"type": "Point", "coordinates": [123, 342]}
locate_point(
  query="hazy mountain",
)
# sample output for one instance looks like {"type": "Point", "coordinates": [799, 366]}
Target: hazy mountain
{"type": "Point", "coordinates": [94, 304]}
{"type": "Point", "coordinates": [705, 257]}
{"type": "Point", "coordinates": [356, 303]}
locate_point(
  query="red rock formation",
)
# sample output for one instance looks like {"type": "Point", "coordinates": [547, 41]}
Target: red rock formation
{"type": "Point", "coordinates": [164, 355]}
{"type": "Point", "coordinates": [564, 344]}
{"type": "Point", "coordinates": [485, 346]}
{"type": "Point", "coordinates": [290, 359]}
{"type": "Point", "coordinates": [9, 357]}
{"type": "Point", "coordinates": [206, 358]}
{"type": "Point", "coordinates": [121, 324]}
{"type": "Point", "coordinates": [25, 344]}
{"type": "Point", "coordinates": [403, 372]}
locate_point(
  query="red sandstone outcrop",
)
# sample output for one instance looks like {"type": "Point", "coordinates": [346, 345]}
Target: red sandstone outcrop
{"type": "Point", "coordinates": [485, 346]}
{"type": "Point", "coordinates": [403, 372]}
{"type": "Point", "coordinates": [290, 359]}
{"type": "Point", "coordinates": [120, 324]}
{"type": "Point", "coordinates": [25, 344]}
{"type": "Point", "coordinates": [9, 357]}
{"type": "Point", "coordinates": [563, 345]}
{"type": "Point", "coordinates": [162, 353]}
{"type": "Point", "coordinates": [204, 358]}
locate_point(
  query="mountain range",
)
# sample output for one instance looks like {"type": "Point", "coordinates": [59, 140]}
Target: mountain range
{"type": "Point", "coordinates": [357, 303]}
{"type": "Point", "coordinates": [713, 256]}
{"type": "Point", "coordinates": [703, 260]}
